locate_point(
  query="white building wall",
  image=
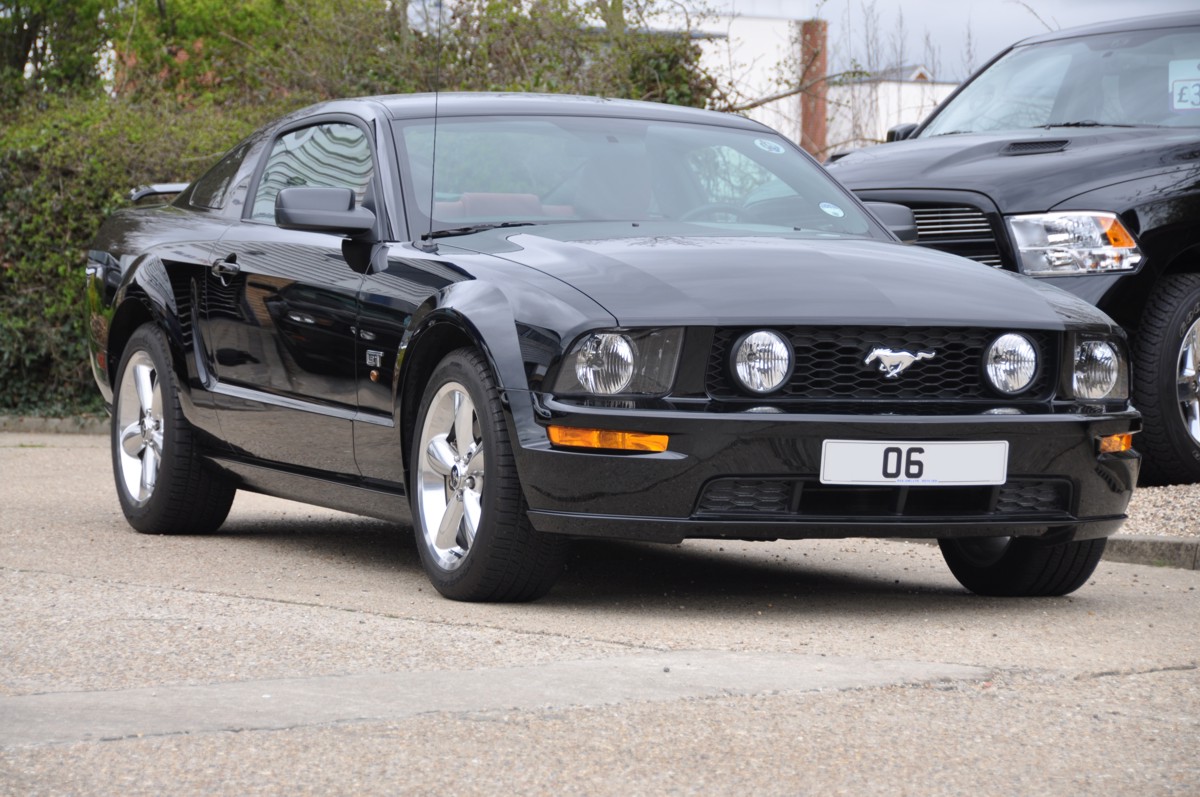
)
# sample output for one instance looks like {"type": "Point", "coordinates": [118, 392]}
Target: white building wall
{"type": "Point", "coordinates": [861, 113]}
{"type": "Point", "coordinates": [752, 40]}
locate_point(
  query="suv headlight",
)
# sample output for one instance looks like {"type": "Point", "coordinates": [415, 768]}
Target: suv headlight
{"type": "Point", "coordinates": [1100, 370]}
{"type": "Point", "coordinates": [1066, 244]}
{"type": "Point", "coordinates": [621, 362]}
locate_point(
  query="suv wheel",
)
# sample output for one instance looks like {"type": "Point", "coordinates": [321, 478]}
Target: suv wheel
{"type": "Point", "coordinates": [1166, 381]}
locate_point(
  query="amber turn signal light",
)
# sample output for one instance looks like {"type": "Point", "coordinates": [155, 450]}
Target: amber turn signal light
{"type": "Point", "coordinates": [607, 439]}
{"type": "Point", "coordinates": [1116, 443]}
{"type": "Point", "coordinates": [1117, 235]}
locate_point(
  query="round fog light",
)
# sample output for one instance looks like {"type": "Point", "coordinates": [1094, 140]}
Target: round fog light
{"type": "Point", "coordinates": [762, 361]}
{"type": "Point", "coordinates": [1011, 363]}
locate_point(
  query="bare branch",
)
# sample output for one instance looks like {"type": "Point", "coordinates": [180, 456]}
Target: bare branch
{"type": "Point", "coordinates": [791, 92]}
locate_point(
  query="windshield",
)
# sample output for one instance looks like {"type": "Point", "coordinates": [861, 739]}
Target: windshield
{"type": "Point", "coordinates": [514, 170]}
{"type": "Point", "coordinates": [1134, 78]}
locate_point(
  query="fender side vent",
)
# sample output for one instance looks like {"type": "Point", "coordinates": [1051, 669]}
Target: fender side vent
{"type": "Point", "coordinates": [1034, 147]}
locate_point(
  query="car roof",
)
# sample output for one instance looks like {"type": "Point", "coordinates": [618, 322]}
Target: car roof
{"type": "Point", "coordinates": [451, 104]}
{"type": "Point", "coordinates": [1181, 19]}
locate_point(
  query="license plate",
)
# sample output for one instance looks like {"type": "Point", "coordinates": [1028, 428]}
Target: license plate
{"type": "Point", "coordinates": [914, 462]}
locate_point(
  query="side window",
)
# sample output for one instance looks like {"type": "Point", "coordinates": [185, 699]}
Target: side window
{"type": "Point", "coordinates": [328, 156]}
{"type": "Point", "coordinates": [213, 190]}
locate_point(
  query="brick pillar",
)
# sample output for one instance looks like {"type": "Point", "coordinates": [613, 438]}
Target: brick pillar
{"type": "Point", "coordinates": [814, 63]}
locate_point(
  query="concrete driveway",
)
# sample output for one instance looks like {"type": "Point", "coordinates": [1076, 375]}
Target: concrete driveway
{"type": "Point", "coordinates": [301, 651]}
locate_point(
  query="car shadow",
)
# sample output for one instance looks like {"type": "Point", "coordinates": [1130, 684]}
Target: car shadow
{"type": "Point", "coordinates": [603, 573]}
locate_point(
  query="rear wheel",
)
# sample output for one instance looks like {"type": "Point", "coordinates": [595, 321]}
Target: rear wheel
{"type": "Point", "coordinates": [163, 485]}
{"type": "Point", "coordinates": [1021, 566]}
{"type": "Point", "coordinates": [1166, 385]}
{"type": "Point", "coordinates": [475, 539]}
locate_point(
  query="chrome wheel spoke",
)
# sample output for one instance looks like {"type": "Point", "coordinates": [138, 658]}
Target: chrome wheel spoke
{"type": "Point", "coordinates": [464, 415]}
{"type": "Point", "coordinates": [447, 531]}
{"type": "Point", "coordinates": [150, 462]}
{"type": "Point", "coordinates": [472, 503]}
{"type": "Point", "coordinates": [440, 455]}
{"type": "Point", "coordinates": [143, 382]}
{"type": "Point", "coordinates": [131, 439]}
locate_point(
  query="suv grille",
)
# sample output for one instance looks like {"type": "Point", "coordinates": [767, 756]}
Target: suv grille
{"type": "Point", "coordinates": [830, 364]}
{"type": "Point", "coordinates": [958, 229]}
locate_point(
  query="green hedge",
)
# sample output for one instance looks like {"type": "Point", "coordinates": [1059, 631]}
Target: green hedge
{"type": "Point", "coordinates": [65, 164]}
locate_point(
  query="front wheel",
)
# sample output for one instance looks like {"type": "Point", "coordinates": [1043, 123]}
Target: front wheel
{"type": "Point", "coordinates": [1021, 566]}
{"type": "Point", "coordinates": [1166, 384]}
{"type": "Point", "coordinates": [162, 483]}
{"type": "Point", "coordinates": [474, 537]}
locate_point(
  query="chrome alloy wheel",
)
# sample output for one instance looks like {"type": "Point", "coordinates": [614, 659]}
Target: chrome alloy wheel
{"type": "Point", "coordinates": [450, 475]}
{"type": "Point", "coordinates": [1189, 380]}
{"type": "Point", "coordinates": [139, 420]}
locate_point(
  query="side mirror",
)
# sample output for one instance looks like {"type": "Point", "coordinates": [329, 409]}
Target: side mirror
{"type": "Point", "coordinates": [897, 218]}
{"type": "Point", "coordinates": [329, 210]}
{"type": "Point", "coordinates": [901, 132]}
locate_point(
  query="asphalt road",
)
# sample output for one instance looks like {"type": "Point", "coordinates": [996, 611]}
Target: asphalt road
{"type": "Point", "coordinates": [300, 651]}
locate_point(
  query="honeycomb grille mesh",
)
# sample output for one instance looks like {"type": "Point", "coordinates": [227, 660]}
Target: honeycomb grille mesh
{"type": "Point", "coordinates": [830, 364]}
{"type": "Point", "coordinates": [807, 497]}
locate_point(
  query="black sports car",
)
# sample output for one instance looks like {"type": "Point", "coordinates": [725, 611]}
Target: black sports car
{"type": "Point", "coordinates": [518, 319]}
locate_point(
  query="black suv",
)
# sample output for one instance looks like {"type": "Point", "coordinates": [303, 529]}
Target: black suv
{"type": "Point", "coordinates": [1074, 157]}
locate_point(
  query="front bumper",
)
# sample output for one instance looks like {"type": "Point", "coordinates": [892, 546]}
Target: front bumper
{"type": "Point", "coordinates": [754, 475]}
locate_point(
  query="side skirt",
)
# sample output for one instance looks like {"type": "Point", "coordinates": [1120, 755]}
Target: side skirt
{"type": "Point", "coordinates": [359, 498]}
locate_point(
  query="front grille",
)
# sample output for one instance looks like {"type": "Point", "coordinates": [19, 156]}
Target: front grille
{"type": "Point", "coordinates": [808, 498]}
{"type": "Point", "coordinates": [959, 229]}
{"type": "Point", "coordinates": [830, 364]}
{"type": "Point", "coordinates": [950, 222]}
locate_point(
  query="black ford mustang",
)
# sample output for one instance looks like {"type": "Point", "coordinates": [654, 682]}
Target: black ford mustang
{"type": "Point", "coordinates": [514, 320]}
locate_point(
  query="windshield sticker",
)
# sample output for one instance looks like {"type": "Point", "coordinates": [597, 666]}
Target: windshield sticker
{"type": "Point", "coordinates": [766, 145]}
{"type": "Point", "coordinates": [1185, 85]}
{"type": "Point", "coordinates": [832, 209]}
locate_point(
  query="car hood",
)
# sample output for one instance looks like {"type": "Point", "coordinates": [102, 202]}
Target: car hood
{"type": "Point", "coordinates": [1021, 171]}
{"type": "Point", "coordinates": [675, 275]}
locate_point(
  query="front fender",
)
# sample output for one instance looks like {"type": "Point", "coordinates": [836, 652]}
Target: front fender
{"type": "Point", "coordinates": [477, 314]}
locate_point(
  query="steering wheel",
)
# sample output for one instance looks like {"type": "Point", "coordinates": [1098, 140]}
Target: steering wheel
{"type": "Point", "coordinates": [709, 209]}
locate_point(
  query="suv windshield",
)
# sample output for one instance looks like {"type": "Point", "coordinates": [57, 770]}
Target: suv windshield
{"type": "Point", "coordinates": [1127, 79]}
{"type": "Point", "coordinates": [528, 169]}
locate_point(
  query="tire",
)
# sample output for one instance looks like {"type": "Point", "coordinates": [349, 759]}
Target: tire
{"type": "Point", "coordinates": [1166, 381]}
{"type": "Point", "coordinates": [163, 485]}
{"type": "Point", "coordinates": [1013, 567]}
{"type": "Point", "coordinates": [473, 534]}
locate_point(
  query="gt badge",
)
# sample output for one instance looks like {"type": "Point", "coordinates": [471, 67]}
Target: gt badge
{"type": "Point", "coordinates": [374, 358]}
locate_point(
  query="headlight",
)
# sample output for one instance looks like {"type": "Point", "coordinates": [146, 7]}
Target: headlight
{"type": "Point", "coordinates": [762, 361]}
{"type": "Point", "coordinates": [1011, 363]}
{"type": "Point", "coordinates": [1100, 370]}
{"type": "Point", "coordinates": [1065, 244]}
{"type": "Point", "coordinates": [621, 362]}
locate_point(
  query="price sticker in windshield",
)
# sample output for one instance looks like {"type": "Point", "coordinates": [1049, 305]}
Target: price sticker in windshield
{"type": "Point", "coordinates": [1185, 85]}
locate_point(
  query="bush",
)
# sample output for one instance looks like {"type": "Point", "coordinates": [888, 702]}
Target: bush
{"type": "Point", "coordinates": [194, 76]}
{"type": "Point", "coordinates": [64, 166]}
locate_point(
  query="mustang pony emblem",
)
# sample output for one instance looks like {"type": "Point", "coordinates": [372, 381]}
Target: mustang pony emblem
{"type": "Point", "coordinates": [892, 363]}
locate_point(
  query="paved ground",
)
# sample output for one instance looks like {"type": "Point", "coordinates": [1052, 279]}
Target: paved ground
{"type": "Point", "coordinates": [300, 651]}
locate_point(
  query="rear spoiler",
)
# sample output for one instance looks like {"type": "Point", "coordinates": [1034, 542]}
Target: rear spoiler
{"type": "Point", "coordinates": [157, 189]}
